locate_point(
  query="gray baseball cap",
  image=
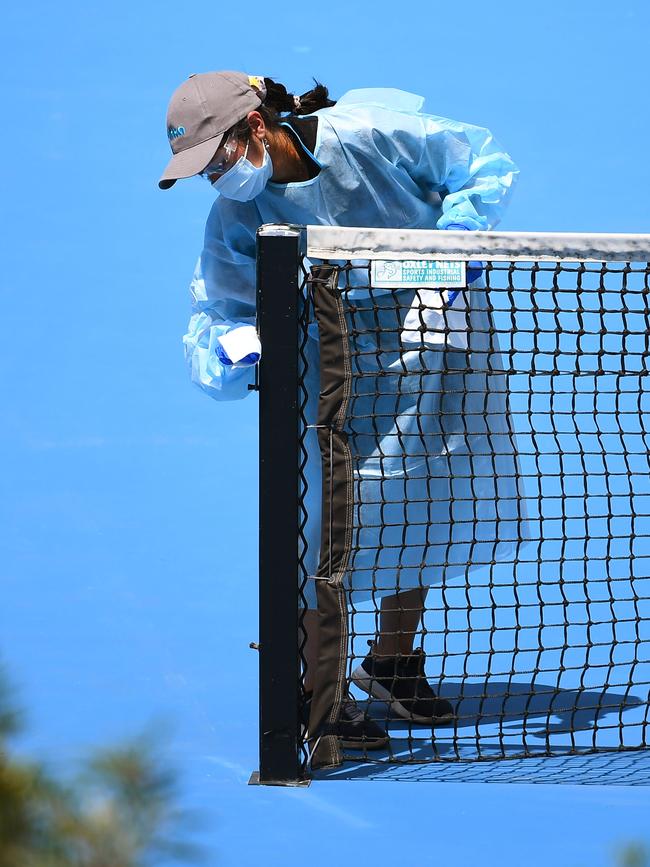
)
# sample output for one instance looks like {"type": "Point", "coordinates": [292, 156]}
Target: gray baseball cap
{"type": "Point", "coordinates": [200, 111]}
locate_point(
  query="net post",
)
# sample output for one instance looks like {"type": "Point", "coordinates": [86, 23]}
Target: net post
{"type": "Point", "coordinates": [278, 252]}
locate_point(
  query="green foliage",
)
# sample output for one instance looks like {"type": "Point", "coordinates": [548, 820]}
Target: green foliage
{"type": "Point", "coordinates": [10, 719]}
{"type": "Point", "coordinates": [634, 855]}
{"type": "Point", "coordinates": [118, 812]}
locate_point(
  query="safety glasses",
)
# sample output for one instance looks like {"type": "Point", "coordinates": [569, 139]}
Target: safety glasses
{"type": "Point", "coordinates": [222, 160]}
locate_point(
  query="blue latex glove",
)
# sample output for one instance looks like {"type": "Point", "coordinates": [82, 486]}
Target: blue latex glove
{"type": "Point", "coordinates": [474, 269]}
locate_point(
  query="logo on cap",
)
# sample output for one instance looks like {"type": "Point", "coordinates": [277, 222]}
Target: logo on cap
{"type": "Point", "coordinates": [174, 132]}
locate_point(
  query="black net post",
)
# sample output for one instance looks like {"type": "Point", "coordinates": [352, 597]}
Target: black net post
{"type": "Point", "coordinates": [278, 250]}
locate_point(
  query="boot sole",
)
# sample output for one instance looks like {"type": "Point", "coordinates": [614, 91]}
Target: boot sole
{"type": "Point", "coordinates": [369, 684]}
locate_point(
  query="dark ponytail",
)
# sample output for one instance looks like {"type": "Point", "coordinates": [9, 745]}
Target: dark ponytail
{"type": "Point", "coordinates": [279, 100]}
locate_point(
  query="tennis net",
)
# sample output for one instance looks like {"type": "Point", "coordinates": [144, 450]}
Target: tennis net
{"type": "Point", "coordinates": [471, 414]}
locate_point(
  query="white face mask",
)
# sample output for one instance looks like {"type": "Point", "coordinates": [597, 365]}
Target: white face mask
{"type": "Point", "coordinates": [244, 181]}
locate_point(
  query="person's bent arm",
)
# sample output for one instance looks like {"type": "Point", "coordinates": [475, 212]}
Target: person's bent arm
{"type": "Point", "coordinates": [224, 373]}
{"type": "Point", "coordinates": [470, 170]}
{"type": "Point", "coordinates": [479, 184]}
{"type": "Point", "coordinates": [221, 344]}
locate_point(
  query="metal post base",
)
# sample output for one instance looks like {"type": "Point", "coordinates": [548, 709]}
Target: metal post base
{"type": "Point", "coordinates": [255, 781]}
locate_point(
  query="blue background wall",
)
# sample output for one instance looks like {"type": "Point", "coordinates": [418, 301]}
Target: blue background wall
{"type": "Point", "coordinates": [128, 565]}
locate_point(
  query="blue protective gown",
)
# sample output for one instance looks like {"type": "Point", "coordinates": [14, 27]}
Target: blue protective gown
{"type": "Point", "coordinates": [383, 164]}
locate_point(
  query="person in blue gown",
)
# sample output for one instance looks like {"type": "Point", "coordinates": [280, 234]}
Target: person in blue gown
{"type": "Point", "coordinates": [374, 159]}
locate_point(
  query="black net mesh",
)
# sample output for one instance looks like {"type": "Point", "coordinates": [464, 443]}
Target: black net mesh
{"type": "Point", "coordinates": [499, 477]}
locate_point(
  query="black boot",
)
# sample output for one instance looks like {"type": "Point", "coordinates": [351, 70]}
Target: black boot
{"type": "Point", "coordinates": [356, 731]}
{"type": "Point", "coordinates": [354, 728]}
{"type": "Point", "coordinates": [401, 681]}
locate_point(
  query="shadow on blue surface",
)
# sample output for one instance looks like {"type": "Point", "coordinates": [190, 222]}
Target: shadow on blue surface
{"type": "Point", "coordinates": [628, 768]}
{"type": "Point", "coordinates": [511, 705]}
{"type": "Point", "coordinates": [515, 732]}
